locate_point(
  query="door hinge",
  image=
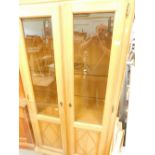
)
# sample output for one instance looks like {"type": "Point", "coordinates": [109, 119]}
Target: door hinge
{"type": "Point", "coordinates": [128, 10]}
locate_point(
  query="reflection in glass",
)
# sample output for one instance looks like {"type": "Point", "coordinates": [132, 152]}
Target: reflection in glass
{"type": "Point", "coordinates": [92, 44]}
{"type": "Point", "coordinates": [40, 52]}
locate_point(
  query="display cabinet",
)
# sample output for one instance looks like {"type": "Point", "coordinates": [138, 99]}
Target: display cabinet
{"type": "Point", "coordinates": [72, 59]}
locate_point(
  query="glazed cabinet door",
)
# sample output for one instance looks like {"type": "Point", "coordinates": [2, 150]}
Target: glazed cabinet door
{"type": "Point", "coordinates": [41, 69]}
{"type": "Point", "coordinates": [92, 38]}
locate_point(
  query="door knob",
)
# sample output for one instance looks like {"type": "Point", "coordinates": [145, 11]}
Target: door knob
{"type": "Point", "coordinates": [61, 103]}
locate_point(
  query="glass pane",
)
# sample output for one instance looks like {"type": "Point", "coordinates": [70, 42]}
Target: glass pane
{"type": "Point", "coordinates": [51, 134]}
{"type": "Point", "coordinates": [40, 52]}
{"type": "Point", "coordinates": [92, 44]}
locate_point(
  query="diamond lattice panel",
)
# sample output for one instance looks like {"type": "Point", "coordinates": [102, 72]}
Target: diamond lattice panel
{"type": "Point", "coordinates": [86, 142]}
{"type": "Point", "coordinates": [51, 134]}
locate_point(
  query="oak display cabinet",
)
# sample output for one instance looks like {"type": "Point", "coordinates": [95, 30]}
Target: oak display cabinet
{"type": "Point", "coordinates": [72, 62]}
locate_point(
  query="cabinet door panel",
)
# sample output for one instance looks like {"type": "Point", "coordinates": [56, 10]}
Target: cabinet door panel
{"type": "Point", "coordinates": [92, 40]}
{"type": "Point", "coordinates": [86, 142]}
{"type": "Point", "coordinates": [92, 46]}
{"type": "Point", "coordinates": [51, 134]}
{"type": "Point", "coordinates": [41, 67]}
{"type": "Point", "coordinates": [40, 52]}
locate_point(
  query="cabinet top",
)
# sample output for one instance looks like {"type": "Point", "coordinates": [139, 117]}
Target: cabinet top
{"type": "Point", "coordinates": [22, 2]}
{"type": "Point", "coordinates": [40, 1]}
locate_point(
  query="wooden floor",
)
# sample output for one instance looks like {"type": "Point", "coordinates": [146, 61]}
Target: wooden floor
{"type": "Point", "coordinates": [28, 152]}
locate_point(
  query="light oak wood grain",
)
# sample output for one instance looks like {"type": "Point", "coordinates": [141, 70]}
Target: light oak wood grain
{"type": "Point", "coordinates": [73, 112]}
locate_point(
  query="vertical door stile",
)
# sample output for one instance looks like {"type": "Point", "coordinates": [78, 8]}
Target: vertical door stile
{"type": "Point", "coordinates": [25, 74]}
{"type": "Point", "coordinates": [67, 42]}
{"type": "Point", "coordinates": [59, 73]}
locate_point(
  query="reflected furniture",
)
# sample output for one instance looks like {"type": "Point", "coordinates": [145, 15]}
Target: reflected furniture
{"type": "Point", "coordinates": [26, 139]}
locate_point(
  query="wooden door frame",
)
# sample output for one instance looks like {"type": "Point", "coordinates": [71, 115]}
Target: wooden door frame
{"type": "Point", "coordinates": [43, 10]}
{"type": "Point", "coordinates": [125, 49]}
{"type": "Point", "coordinates": [111, 102]}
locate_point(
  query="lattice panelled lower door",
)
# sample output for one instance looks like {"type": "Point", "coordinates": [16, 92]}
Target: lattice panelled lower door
{"type": "Point", "coordinates": [86, 142]}
{"type": "Point", "coordinates": [51, 134]}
